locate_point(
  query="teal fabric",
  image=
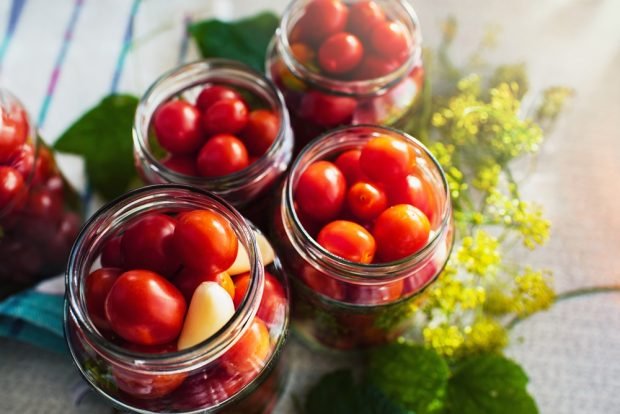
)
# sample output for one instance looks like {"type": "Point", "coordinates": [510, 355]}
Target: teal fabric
{"type": "Point", "coordinates": [34, 317]}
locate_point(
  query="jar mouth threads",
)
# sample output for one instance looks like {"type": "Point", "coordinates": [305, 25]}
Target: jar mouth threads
{"type": "Point", "coordinates": [326, 146]}
{"type": "Point", "coordinates": [398, 9]}
{"type": "Point", "coordinates": [85, 252]}
{"type": "Point", "coordinates": [238, 187]}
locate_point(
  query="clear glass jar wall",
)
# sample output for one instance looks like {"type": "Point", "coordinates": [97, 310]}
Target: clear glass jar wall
{"type": "Point", "coordinates": [247, 189]}
{"type": "Point", "coordinates": [380, 90]}
{"type": "Point", "coordinates": [40, 213]}
{"type": "Point", "coordinates": [201, 377]}
{"type": "Point", "coordinates": [346, 305]}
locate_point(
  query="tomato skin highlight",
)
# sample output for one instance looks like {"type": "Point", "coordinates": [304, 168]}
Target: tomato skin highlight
{"type": "Point", "coordinates": [250, 352]}
{"type": "Point", "coordinates": [363, 16]}
{"type": "Point", "coordinates": [178, 127]}
{"type": "Point", "coordinates": [413, 190]}
{"type": "Point", "coordinates": [205, 241]}
{"type": "Point", "coordinates": [366, 200]}
{"type": "Point", "coordinates": [144, 308]}
{"type": "Point", "coordinates": [221, 155]}
{"type": "Point", "coordinates": [348, 240]}
{"type": "Point", "coordinates": [390, 40]}
{"type": "Point", "coordinates": [147, 244]}
{"type": "Point", "coordinates": [212, 94]}
{"type": "Point", "coordinates": [227, 116]}
{"type": "Point", "coordinates": [13, 133]}
{"type": "Point", "coordinates": [320, 191]}
{"type": "Point", "coordinates": [400, 231]}
{"type": "Point", "coordinates": [340, 53]}
{"type": "Point", "coordinates": [321, 19]}
{"type": "Point", "coordinates": [385, 159]}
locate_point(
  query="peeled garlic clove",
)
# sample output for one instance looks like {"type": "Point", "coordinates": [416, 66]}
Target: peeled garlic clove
{"type": "Point", "coordinates": [210, 308]}
{"type": "Point", "coordinates": [242, 262]}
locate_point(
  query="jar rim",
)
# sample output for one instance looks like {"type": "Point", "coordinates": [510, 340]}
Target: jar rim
{"type": "Point", "coordinates": [371, 86]}
{"type": "Point", "coordinates": [180, 361]}
{"type": "Point", "coordinates": [347, 270]}
{"type": "Point", "coordinates": [158, 93]}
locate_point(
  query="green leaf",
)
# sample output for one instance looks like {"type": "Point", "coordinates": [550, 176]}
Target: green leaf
{"type": "Point", "coordinates": [489, 384]}
{"type": "Point", "coordinates": [103, 137]}
{"type": "Point", "coordinates": [412, 375]}
{"type": "Point", "coordinates": [245, 40]}
{"type": "Point", "coordinates": [338, 393]}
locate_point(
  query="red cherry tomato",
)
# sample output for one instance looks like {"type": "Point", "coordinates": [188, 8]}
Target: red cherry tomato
{"type": "Point", "coordinates": [202, 389]}
{"type": "Point", "coordinates": [13, 132]}
{"type": "Point", "coordinates": [178, 127]}
{"type": "Point", "coordinates": [273, 302]}
{"type": "Point", "coordinates": [348, 240]}
{"type": "Point", "coordinates": [148, 244]}
{"type": "Point", "coordinates": [181, 164]}
{"type": "Point", "coordinates": [211, 94]}
{"type": "Point", "coordinates": [376, 294]}
{"type": "Point", "coordinates": [322, 283]}
{"type": "Point", "coordinates": [12, 187]}
{"type": "Point", "coordinates": [146, 386]}
{"type": "Point", "coordinates": [23, 160]}
{"type": "Point", "coordinates": [366, 200]}
{"type": "Point", "coordinates": [363, 16]}
{"type": "Point", "coordinates": [340, 53]}
{"type": "Point", "coordinates": [111, 253]}
{"type": "Point", "coordinates": [323, 18]}
{"type": "Point", "coordinates": [320, 191]}
{"type": "Point", "coordinates": [45, 167]}
{"type": "Point", "coordinates": [412, 190]}
{"type": "Point", "coordinates": [250, 352]}
{"type": "Point", "coordinates": [327, 110]}
{"type": "Point", "coordinates": [222, 154]}
{"type": "Point", "coordinates": [261, 131]}
{"type": "Point", "coordinates": [349, 164]}
{"type": "Point", "coordinates": [391, 40]}
{"type": "Point", "coordinates": [188, 280]}
{"type": "Point", "coordinates": [205, 241]}
{"type": "Point", "coordinates": [43, 203]}
{"type": "Point", "coordinates": [227, 116]}
{"type": "Point", "coordinates": [374, 66]}
{"type": "Point", "coordinates": [385, 159]}
{"type": "Point", "coordinates": [144, 308]}
{"type": "Point", "coordinates": [400, 231]}
{"type": "Point", "coordinates": [98, 285]}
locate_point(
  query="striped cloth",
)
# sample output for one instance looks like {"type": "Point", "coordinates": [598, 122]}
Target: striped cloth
{"type": "Point", "coordinates": [60, 58]}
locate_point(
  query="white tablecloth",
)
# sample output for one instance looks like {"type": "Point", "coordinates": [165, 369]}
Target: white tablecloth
{"type": "Point", "coordinates": [572, 352]}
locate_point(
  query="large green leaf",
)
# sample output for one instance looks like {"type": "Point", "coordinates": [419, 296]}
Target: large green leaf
{"type": "Point", "coordinates": [489, 384]}
{"type": "Point", "coordinates": [338, 393]}
{"type": "Point", "coordinates": [245, 40]}
{"type": "Point", "coordinates": [103, 137]}
{"type": "Point", "coordinates": [412, 375]}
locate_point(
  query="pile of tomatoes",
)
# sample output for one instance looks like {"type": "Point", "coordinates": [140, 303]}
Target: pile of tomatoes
{"type": "Point", "coordinates": [368, 205]}
{"type": "Point", "coordinates": [217, 135]}
{"type": "Point", "coordinates": [36, 231]}
{"type": "Point", "coordinates": [168, 283]}
{"type": "Point", "coordinates": [353, 42]}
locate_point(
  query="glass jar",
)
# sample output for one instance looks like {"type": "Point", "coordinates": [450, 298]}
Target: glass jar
{"type": "Point", "coordinates": [247, 189]}
{"type": "Point", "coordinates": [318, 102]}
{"type": "Point", "coordinates": [40, 213]}
{"type": "Point", "coordinates": [346, 305]}
{"type": "Point", "coordinates": [193, 379]}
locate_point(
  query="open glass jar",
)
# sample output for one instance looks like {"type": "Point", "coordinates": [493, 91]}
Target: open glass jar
{"type": "Point", "coordinates": [245, 188]}
{"type": "Point", "coordinates": [215, 375]}
{"type": "Point", "coordinates": [361, 76]}
{"type": "Point", "coordinates": [40, 213]}
{"type": "Point", "coordinates": [344, 304]}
